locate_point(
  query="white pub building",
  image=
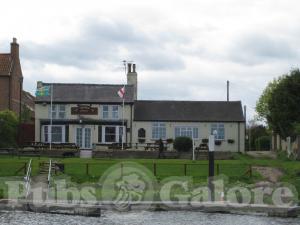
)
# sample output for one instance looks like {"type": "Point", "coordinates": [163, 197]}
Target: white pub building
{"type": "Point", "coordinates": [91, 115]}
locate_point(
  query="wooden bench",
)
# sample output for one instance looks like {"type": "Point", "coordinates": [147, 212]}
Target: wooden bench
{"type": "Point", "coordinates": [46, 146]}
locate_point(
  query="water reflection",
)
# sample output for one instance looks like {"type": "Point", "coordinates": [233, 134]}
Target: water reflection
{"type": "Point", "coordinates": [142, 218]}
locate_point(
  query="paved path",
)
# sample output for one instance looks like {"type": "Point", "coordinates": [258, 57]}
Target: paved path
{"type": "Point", "coordinates": [262, 154]}
{"type": "Point", "coordinates": [269, 173]}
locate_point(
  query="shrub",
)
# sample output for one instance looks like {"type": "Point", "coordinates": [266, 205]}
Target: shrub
{"type": "Point", "coordinates": [183, 144]}
{"type": "Point", "coordinates": [169, 141]}
{"type": "Point", "coordinates": [8, 131]}
{"type": "Point", "coordinates": [282, 155]}
{"type": "Point", "coordinates": [263, 143]}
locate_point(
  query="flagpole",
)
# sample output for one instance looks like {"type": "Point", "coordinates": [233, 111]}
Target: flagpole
{"type": "Point", "coordinates": [123, 122]}
{"type": "Point", "coordinates": [51, 99]}
{"type": "Point", "coordinates": [124, 63]}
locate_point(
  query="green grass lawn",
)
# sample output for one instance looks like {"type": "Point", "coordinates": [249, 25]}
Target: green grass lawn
{"type": "Point", "coordinates": [235, 169]}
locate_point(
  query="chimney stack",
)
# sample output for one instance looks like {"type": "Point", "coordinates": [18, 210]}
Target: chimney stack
{"type": "Point", "coordinates": [132, 78]}
{"type": "Point", "coordinates": [133, 68]}
{"type": "Point", "coordinates": [14, 49]}
{"type": "Point", "coordinates": [129, 67]}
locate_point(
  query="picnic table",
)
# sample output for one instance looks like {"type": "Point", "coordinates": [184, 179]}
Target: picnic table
{"type": "Point", "coordinates": [151, 146]}
{"type": "Point", "coordinates": [42, 146]}
{"type": "Point", "coordinates": [119, 146]}
{"type": "Point", "coordinates": [202, 146]}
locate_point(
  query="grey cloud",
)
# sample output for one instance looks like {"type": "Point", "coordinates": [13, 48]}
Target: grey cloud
{"type": "Point", "coordinates": [157, 59]}
{"type": "Point", "coordinates": [256, 49]}
{"type": "Point", "coordinates": [101, 41]}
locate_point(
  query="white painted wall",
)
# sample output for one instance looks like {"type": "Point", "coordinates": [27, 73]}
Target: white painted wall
{"type": "Point", "coordinates": [204, 129]}
{"type": "Point", "coordinates": [231, 129]}
{"type": "Point", "coordinates": [42, 112]}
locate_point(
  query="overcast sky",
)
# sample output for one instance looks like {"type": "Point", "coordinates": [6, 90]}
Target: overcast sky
{"type": "Point", "coordinates": [184, 50]}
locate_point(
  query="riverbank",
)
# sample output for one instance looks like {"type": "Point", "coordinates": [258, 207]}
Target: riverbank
{"type": "Point", "coordinates": [82, 177]}
{"type": "Point", "coordinates": [96, 209]}
{"type": "Point", "coordinates": [143, 218]}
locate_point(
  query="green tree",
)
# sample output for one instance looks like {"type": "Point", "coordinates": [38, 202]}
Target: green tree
{"type": "Point", "coordinates": [279, 104]}
{"type": "Point", "coordinates": [8, 129]}
{"type": "Point", "coordinates": [25, 114]}
{"type": "Point", "coordinates": [255, 131]}
{"type": "Point", "coordinates": [297, 128]}
{"type": "Point", "coordinates": [284, 104]}
{"type": "Point", "coordinates": [183, 144]}
{"type": "Point", "coordinates": [262, 105]}
{"type": "Point", "coordinates": [263, 143]}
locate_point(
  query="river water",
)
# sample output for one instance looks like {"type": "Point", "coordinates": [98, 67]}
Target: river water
{"type": "Point", "coordinates": [142, 218]}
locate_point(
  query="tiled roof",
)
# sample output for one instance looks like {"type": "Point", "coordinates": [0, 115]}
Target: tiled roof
{"type": "Point", "coordinates": [87, 93]}
{"type": "Point", "coordinates": [189, 111]}
{"type": "Point", "coordinates": [28, 99]}
{"type": "Point", "coordinates": [5, 64]}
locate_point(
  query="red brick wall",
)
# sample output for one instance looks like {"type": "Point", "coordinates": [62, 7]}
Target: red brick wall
{"type": "Point", "coordinates": [16, 78]}
{"type": "Point", "coordinates": [26, 134]}
{"type": "Point", "coordinates": [10, 88]}
{"type": "Point", "coordinates": [10, 91]}
{"type": "Point", "coordinates": [4, 93]}
{"type": "Point", "coordinates": [15, 92]}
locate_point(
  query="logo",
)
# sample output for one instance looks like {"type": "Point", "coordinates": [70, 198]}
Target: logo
{"type": "Point", "coordinates": [128, 185]}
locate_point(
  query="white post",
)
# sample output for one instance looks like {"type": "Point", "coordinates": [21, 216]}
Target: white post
{"type": "Point", "coordinates": [51, 99]}
{"type": "Point", "coordinates": [193, 149]}
{"type": "Point", "coordinates": [123, 132]}
{"type": "Point", "coordinates": [211, 142]}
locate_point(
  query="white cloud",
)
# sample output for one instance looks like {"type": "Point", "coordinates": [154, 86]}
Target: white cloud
{"type": "Point", "coordinates": [183, 49]}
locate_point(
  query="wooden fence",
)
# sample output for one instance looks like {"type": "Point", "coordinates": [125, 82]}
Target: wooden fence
{"type": "Point", "coordinates": [162, 169]}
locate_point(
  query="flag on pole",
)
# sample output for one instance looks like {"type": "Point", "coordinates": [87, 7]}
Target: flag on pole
{"type": "Point", "coordinates": [42, 91]}
{"type": "Point", "coordinates": [121, 92]}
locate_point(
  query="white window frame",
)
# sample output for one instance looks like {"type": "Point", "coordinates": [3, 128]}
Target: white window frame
{"type": "Point", "coordinates": [105, 112]}
{"type": "Point", "coordinates": [48, 135]}
{"type": "Point", "coordinates": [56, 110]}
{"type": "Point", "coordinates": [117, 137]}
{"type": "Point", "coordinates": [159, 130]}
{"type": "Point", "coordinates": [218, 127]}
{"type": "Point", "coordinates": [115, 113]}
{"type": "Point", "coordinates": [112, 112]}
{"type": "Point", "coordinates": [183, 130]}
{"type": "Point", "coordinates": [59, 111]}
{"type": "Point", "coordinates": [83, 136]}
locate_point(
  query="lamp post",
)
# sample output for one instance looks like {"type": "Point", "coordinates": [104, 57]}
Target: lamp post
{"type": "Point", "coordinates": [211, 164]}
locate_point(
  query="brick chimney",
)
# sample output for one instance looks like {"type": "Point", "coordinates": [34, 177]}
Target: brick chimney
{"type": "Point", "coordinates": [14, 49]}
{"type": "Point", "coordinates": [132, 77]}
